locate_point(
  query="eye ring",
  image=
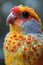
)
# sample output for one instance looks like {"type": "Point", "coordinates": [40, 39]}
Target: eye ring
{"type": "Point", "coordinates": [25, 14]}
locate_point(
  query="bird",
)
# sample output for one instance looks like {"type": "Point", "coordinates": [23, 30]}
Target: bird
{"type": "Point", "coordinates": [23, 45]}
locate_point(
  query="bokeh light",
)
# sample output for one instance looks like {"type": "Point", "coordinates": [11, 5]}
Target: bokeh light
{"type": "Point", "coordinates": [6, 7]}
{"type": "Point", "coordinates": [31, 4]}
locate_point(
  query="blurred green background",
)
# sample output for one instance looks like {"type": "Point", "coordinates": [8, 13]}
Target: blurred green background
{"type": "Point", "coordinates": [5, 6]}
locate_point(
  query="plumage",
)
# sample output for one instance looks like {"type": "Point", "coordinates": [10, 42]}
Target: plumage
{"type": "Point", "coordinates": [23, 44]}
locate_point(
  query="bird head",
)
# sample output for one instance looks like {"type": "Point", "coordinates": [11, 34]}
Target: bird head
{"type": "Point", "coordinates": [24, 19]}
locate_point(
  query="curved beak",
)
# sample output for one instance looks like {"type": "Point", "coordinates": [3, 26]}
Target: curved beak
{"type": "Point", "coordinates": [11, 18]}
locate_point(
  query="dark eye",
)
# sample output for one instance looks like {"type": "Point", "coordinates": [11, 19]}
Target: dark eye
{"type": "Point", "coordinates": [25, 14]}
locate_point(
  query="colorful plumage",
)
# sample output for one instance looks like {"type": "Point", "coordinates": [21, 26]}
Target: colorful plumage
{"type": "Point", "coordinates": [24, 43]}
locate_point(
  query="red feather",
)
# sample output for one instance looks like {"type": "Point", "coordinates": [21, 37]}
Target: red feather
{"type": "Point", "coordinates": [15, 9]}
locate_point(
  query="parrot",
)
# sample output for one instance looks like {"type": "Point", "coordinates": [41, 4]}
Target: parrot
{"type": "Point", "coordinates": [23, 45]}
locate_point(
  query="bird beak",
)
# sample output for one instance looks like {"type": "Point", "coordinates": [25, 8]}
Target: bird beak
{"type": "Point", "coordinates": [11, 18]}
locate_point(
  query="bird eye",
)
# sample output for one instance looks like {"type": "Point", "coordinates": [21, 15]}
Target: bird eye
{"type": "Point", "coordinates": [25, 14]}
